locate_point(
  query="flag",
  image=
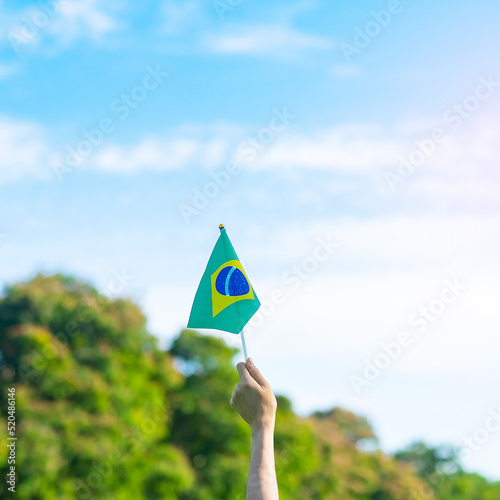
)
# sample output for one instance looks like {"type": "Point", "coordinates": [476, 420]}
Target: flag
{"type": "Point", "coordinates": [225, 299]}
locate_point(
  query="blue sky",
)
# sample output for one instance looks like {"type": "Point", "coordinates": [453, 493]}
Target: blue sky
{"type": "Point", "coordinates": [172, 93]}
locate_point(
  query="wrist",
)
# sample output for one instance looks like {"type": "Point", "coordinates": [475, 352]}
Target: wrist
{"type": "Point", "coordinates": [263, 426]}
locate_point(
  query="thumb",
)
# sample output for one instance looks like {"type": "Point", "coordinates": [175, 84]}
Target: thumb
{"type": "Point", "coordinates": [255, 373]}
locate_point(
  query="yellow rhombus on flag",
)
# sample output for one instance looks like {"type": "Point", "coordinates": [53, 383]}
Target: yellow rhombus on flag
{"type": "Point", "coordinates": [225, 299]}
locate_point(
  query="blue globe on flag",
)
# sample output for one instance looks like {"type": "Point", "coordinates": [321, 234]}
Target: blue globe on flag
{"type": "Point", "coordinates": [231, 282]}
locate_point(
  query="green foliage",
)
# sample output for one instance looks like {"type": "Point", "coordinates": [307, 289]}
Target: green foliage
{"type": "Point", "coordinates": [463, 486]}
{"type": "Point", "coordinates": [213, 436]}
{"type": "Point", "coordinates": [428, 460]}
{"type": "Point", "coordinates": [353, 427]}
{"type": "Point", "coordinates": [92, 396]}
{"type": "Point", "coordinates": [359, 474]}
{"type": "Point", "coordinates": [444, 478]}
{"type": "Point", "coordinates": [104, 413]}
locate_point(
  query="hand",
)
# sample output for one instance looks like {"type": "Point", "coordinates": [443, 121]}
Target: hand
{"type": "Point", "coordinates": [253, 397]}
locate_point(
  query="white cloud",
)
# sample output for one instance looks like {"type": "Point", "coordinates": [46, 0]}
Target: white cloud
{"type": "Point", "coordinates": [189, 25]}
{"type": "Point", "coordinates": [83, 19]}
{"type": "Point", "coordinates": [28, 150]}
{"type": "Point", "coordinates": [350, 148]}
{"type": "Point", "coordinates": [149, 154]}
{"type": "Point", "coordinates": [178, 16]}
{"type": "Point", "coordinates": [62, 21]}
{"type": "Point", "coordinates": [190, 28]}
{"type": "Point", "coordinates": [384, 271]}
{"type": "Point", "coordinates": [461, 171]}
{"type": "Point", "coordinates": [344, 148]}
{"type": "Point", "coordinates": [264, 40]}
{"type": "Point", "coordinates": [372, 147]}
{"type": "Point", "coordinates": [161, 154]}
{"type": "Point", "coordinates": [23, 150]}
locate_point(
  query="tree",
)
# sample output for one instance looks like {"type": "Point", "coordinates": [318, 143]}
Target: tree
{"type": "Point", "coordinates": [429, 460]}
{"type": "Point", "coordinates": [92, 393]}
{"type": "Point", "coordinates": [213, 436]}
{"type": "Point", "coordinates": [102, 412]}
{"type": "Point", "coordinates": [440, 469]}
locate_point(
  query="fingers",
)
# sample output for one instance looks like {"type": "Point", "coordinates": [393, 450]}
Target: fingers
{"type": "Point", "coordinates": [235, 396]}
{"type": "Point", "coordinates": [244, 373]}
{"type": "Point", "coordinates": [255, 373]}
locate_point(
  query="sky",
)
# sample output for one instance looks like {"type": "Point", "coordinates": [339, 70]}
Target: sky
{"type": "Point", "coordinates": [350, 149]}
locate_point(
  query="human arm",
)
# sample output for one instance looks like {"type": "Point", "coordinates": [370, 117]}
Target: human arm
{"type": "Point", "coordinates": [254, 400]}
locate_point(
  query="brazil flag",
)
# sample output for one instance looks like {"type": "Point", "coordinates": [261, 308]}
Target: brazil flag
{"type": "Point", "coordinates": [225, 299]}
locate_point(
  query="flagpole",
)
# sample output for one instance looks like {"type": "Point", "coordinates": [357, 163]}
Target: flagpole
{"type": "Point", "coordinates": [222, 228]}
{"type": "Point", "coordinates": [244, 344]}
